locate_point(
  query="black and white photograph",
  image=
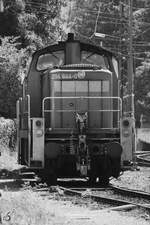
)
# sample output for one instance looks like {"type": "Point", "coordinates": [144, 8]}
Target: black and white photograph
{"type": "Point", "coordinates": [74, 112]}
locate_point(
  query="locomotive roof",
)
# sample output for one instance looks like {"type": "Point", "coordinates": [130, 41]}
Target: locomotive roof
{"type": "Point", "coordinates": [86, 46]}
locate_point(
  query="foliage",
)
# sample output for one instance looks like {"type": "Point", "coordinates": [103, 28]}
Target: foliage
{"type": "Point", "coordinates": [112, 19]}
{"type": "Point", "coordinates": [25, 26]}
{"type": "Point", "coordinates": [7, 133]}
{"type": "Point", "coordinates": [9, 63]}
{"type": "Point", "coordinates": [28, 18]}
{"type": "Point", "coordinates": [39, 23]}
{"type": "Point", "coordinates": [142, 60]}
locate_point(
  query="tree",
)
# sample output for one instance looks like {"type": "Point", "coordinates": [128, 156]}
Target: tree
{"type": "Point", "coordinates": [112, 18]}
{"type": "Point", "coordinates": [9, 83]}
{"type": "Point", "coordinates": [43, 22]}
{"type": "Point", "coordinates": [142, 58]}
{"type": "Point", "coordinates": [26, 19]}
{"type": "Point", "coordinates": [25, 26]}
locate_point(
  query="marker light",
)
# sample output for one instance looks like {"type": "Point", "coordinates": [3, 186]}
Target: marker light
{"type": "Point", "coordinates": [38, 123]}
{"type": "Point", "coordinates": [39, 133]}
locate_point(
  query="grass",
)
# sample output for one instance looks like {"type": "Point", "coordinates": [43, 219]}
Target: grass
{"type": "Point", "coordinates": [8, 159]}
{"type": "Point", "coordinates": [8, 153]}
{"type": "Point", "coordinates": [21, 207]}
{"type": "Point", "coordinates": [27, 208]}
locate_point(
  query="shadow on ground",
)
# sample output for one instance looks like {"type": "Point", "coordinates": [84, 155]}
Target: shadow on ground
{"type": "Point", "coordinates": [11, 180]}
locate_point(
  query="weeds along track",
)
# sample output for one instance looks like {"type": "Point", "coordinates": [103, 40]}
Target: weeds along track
{"type": "Point", "coordinates": [119, 198]}
{"type": "Point", "coordinates": [108, 198]}
{"type": "Point", "coordinates": [112, 197]}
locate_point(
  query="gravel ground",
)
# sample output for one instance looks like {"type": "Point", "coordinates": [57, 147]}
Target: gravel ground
{"type": "Point", "coordinates": [28, 208]}
{"type": "Point", "coordinates": [137, 179]}
{"type": "Point", "coordinates": [25, 207]}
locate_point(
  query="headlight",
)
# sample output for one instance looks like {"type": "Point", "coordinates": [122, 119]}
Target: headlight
{"type": "Point", "coordinates": [39, 133]}
{"type": "Point", "coordinates": [126, 133]}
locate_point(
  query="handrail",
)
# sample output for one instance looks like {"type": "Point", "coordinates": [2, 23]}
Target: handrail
{"type": "Point", "coordinates": [29, 129]}
{"type": "Point", "coordinates": [83, 97]}
{"type": "Point", "coordinates": [127, 104]}
{"type": "Point", "coordinates": [29, 123]}
{"type": "Point", "coordinates": [64, 110]}
{"type": "Point", "coordinates": [18, 126]}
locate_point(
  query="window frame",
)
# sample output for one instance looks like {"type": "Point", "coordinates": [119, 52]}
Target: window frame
{"type": "Point", "coordinates": [91, 53]}
{"type": "Point", "coordinates": [52, 54]}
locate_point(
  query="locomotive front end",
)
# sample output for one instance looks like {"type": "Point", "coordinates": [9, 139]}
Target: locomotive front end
{"type": "Point", "coordinates": [82, 122]}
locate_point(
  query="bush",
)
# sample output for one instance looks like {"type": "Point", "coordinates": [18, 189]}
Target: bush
{"type": "Point", "coordinates": [8, 133]}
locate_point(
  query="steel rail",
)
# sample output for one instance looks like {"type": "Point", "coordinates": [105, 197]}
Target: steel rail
{"type": "Point", "coordinates": [142, 153]}
{"type": "Point", "coordinates": [144, 164]}
{"type": "Point", "coordinates": [108, 200]}
{"type": "Point", "coordinates": [94, 196]}
{"type": "Point", "coordinates": [90, 188]}
{"type": "Point", "coordinates": [142, 160]}
{"type": "Point", "coordinates": [132, 192]}
{"type": "Point", "coordinates": [103, 199]}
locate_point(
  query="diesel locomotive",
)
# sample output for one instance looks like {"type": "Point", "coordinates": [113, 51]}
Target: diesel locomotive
{"type": "Point", "coordinates": [70, 118]}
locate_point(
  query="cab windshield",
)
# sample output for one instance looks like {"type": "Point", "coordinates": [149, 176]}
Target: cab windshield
{"type": "Point", "coordinates": [94, 58]}
{"type": "Point", "coordinates": [50, 60]}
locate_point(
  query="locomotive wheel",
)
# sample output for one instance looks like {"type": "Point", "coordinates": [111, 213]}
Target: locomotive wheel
{"type": "Point", "coordinates": [104, 181]}
{"type": "Point", "coordinates": [49, 173]}
{"type": "Point", "coordinates": [92, 180]}
{"type": "Point", "coordinates": [52, 178]}
{"type": "Point", "coordinates": [49, 177]}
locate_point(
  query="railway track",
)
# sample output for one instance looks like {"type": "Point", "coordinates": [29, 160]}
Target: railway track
{"type": "Point", "coordinates": [121, 203]}
{"type": "Point", "coordinates": [112, 197]}
{"type": "Point", "coordinates": [143, 159]}
{"type": "Point", "coordinates": [119, 198]}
